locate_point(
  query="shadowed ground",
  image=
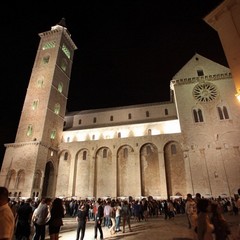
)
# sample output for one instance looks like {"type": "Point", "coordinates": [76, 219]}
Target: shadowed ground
{"type": "Point", "coordinates": [155, 228]}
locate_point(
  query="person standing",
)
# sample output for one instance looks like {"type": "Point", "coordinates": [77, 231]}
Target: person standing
{"type": "Point", "coordinates": [41, 216]}
{"type": "Point", "coordinates": [113, 217]}
{"type": "Point", "coordinates": [24, 216]}
{"type": "Point", "coordinates": [7, 220]}
{"type": "Point", "coordinates": [82, 216]}
{"type": "Point", "coordinates": [126, 215]}
{"type": "Point", "coordinates": [98, 220]}
{"type": "Point", "coordinates": [57, 212]}
{"type": "Point", "coordinates": [107, 211]}
{"type": "Point", "coordinates": [204, 227]}
{"type": "Point", "coordinates": [191, 211]}
{"type": "Point", "coordinates": [118, 216]}
{"type": "Point", "coordinates": [221, 226]}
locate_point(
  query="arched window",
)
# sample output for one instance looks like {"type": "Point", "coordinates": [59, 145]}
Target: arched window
{"type": "Point", "coordinates": [149, 132]}
{"type": "Point", "coordinates": [53, 134]}
{"type": "Point", "coordinates": [40, 82]}
{"type": "Point", "coordinates": [64, 65]}
{"type": "Point", "coordinates": [29, 130]}
{"type": "Point", "coordinates": [125, 153]}
{"type": "Point", "coordinates": [60, 87]}
{"type": "Point", "coordinates": [84, 155]}
{"type": "Point", "coordinates": [46, 59]}
{"type": "Point", "coordinates": [35, 104]}
{"type": "Point", "coordinates": [104, 153]}
{"type": "Point", "coordinates": [20, 180]}
{"type": "Point", "coordinates": [223, 112]}
{"type": "Point", "coordinates": [147, 113]}
{"type": "Point", "coordinates": [57, 108]}
{"type": "Point", "coordinates": [37, 179]}
{"type": "Point", "coordinates": [173, 149]}
{"type": "Point", "coordinates": [166, 111]}
{"type": "Point", "coordinates": [198, 116]}
{"type": "Point", "coordinates": [66, 156]}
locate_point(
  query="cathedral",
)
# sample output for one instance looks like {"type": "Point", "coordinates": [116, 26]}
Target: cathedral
{"type": "Point", "coordinates": [189, 144]}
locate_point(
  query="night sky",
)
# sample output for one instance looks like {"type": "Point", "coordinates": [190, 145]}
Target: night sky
{"type": "Point", "coordinates": [128, 51]}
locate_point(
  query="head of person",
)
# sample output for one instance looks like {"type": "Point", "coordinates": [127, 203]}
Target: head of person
{"type": "Point", "coordinates": [204, 205]}
{"type": "Point", "coordinates": [189, 196]}
{"type": "Point", "coordinates": [57, 202]}
{"type": "Point", "coordinates": [3, 196]}
{"type": "Point", "coordinates": [46, 201]}
{"type": "Point", "coordinates": [198, 196]}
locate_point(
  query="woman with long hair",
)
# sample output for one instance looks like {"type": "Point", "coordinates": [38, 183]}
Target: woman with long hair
{"type": "Point", "coordinates": [55, 222]}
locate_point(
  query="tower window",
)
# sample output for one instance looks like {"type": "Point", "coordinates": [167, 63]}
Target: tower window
{"type": "Point", "coordinates": [49, 45]}
{"type": "Point", "coordinates": [66, 51]}
{"type": "Point", "coordinates": [80, 121]}
{"type": "Point", "coordinates": [64, 65]}
{"type": "Point", "coordinates": [46, 59]}
{"type": "Point", "coordinates": [166, 111]}
{"type": "Point", "coordinates": [94, 120]}
{"type": "Point", "coordinates": [29, 130]}
{"type": "Point", "coordinates": [111, 118]}
{"type": "Point", "coordinates": [53, 134]}
{"type": "Point", "coordinates": [147, 113]}
{"type": "Point", "coordinates": [129, 116]}
{"type": "Point", "coordinates": [60, 87]}
{"type": "Point", "coordinates": [57, 108]}
{"type": "Point", "coordinates": [40, 82]}
{"type": "Point", "coordinates": [35, 104]}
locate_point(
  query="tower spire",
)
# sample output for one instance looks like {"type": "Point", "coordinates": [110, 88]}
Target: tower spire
{"type": "Point", "coordinates": [62, 23]}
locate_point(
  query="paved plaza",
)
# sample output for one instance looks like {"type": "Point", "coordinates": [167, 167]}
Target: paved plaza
{"type": "Point", "coordinates": [153, 229]}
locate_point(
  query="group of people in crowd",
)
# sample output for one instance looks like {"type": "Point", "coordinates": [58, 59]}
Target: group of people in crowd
{"type": "Point", "coordinates": [27, 218]}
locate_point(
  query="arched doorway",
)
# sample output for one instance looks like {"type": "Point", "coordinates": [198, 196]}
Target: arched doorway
{"type": "Point", "coordinates": [47, 188]}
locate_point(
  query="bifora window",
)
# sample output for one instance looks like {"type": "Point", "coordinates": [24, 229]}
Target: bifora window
{"type": "Point", "coordinates": [66, 51]}
{"type": "Point", "coordinates": [49, 45]}
{"type": "Point", "coordinates": [29, 130]}
{"type": "Point", "coordinates": [53, 134]}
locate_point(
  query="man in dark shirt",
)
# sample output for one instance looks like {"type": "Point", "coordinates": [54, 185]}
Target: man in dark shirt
{"type": "Point", "coordinates": [24, 216]}
{"type": "Point", "coordinates": [98, 220]}
{"type": "Point", "coordinates": [82, 216]}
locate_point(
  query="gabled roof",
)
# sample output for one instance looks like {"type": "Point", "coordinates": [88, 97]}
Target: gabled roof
{"type": "Point", "coordinates": [198, 63]}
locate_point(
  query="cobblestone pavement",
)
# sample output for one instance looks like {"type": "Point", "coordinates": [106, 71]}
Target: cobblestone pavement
{"type": "Point", "coordinates": [154, 229]}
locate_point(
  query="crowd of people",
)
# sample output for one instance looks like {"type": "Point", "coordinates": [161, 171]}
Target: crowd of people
{"type": "Point", "coordinates": [25, 219]}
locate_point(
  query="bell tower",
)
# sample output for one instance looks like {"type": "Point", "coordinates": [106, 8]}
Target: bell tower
{"type": "Point", "coordinates": [30, 164]}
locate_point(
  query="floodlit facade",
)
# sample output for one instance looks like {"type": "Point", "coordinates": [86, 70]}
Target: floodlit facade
{"type": "Point", "coordinates": [189, 144]}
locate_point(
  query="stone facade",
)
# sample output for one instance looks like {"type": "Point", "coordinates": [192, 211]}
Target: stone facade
{"type": "Point", "coordinates": [187, 145]}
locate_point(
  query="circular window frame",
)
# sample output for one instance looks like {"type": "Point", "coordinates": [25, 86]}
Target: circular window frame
{"type": "Point", "coordinates": [205, 92]}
